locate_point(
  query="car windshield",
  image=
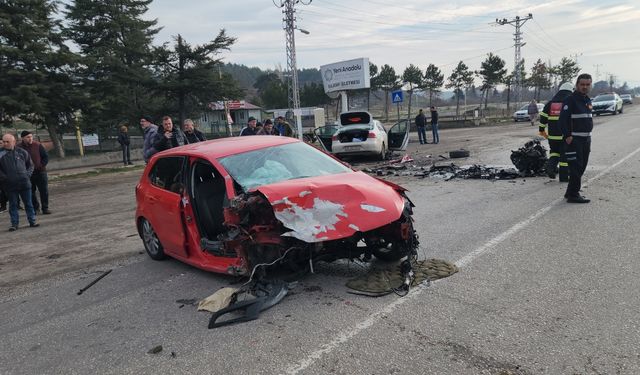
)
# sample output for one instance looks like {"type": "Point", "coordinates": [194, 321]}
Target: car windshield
{"type": "Point", "coordinates": [524, 107]}
{"type": "Point", "coordinates": [279, 163]}
{"type": "Point", "coordinates": [626, 96]}
{"type": "Point", "coordinates": [602, 98]}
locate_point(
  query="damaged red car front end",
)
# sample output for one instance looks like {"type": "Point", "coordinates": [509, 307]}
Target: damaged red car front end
{"type": "Point", "coordinates": [286, 204]}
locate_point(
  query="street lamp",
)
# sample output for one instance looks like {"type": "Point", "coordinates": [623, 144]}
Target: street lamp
{"type": "Point", "coordinates": [303, 31]}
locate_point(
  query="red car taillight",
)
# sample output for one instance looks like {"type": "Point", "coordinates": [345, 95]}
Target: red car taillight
{"type": "Point", "coordinates": [334, 137]}
{"type": "Point", "coordinates": [371, 135]}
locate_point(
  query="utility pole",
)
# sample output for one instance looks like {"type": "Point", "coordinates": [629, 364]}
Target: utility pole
{"type": "Point", "coordinates": [517, 23]}
{"type": "Point", "coordinates": [289, 26]}
{"type": "Point", "coordinates": [597, 66]}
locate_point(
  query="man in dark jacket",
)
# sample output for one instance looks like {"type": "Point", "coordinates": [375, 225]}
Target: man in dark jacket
{"type": "Point", "coordinates": [15, 177]}
{"type": "Point", "coordinates": [434, 125]}
{"type": "Point", "coordinates": [125, 141]}
{"type": "Point", "coordinates": [149, 131]}
{"type": "Point", "coordinates": [169, 137]}
{"type": "Point", "coordinates": [250, 129]}
{"type": "Point", "coordinates": [421, 124]}
{"type": "Point", "coordinates": [39, 178]}
{"type": "Point", "coordinates": [576, 123]}
{"type": "Point", "coordinates": [193, 135]}
{"type": "Point", "coordinates": [3, 197]}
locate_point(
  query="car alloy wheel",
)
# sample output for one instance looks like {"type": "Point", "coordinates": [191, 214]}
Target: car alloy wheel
{"type": "Point", "coordinates": [151, 242]}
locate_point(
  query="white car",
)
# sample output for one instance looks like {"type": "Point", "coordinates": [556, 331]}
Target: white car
{"type": "Point", "coordinates": [523, 113]}
{"type": "Point", "coordinates": [359, 134]}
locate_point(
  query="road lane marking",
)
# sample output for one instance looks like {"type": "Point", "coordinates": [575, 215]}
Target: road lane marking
{"type": "Point", "coordinates": [347, 335]}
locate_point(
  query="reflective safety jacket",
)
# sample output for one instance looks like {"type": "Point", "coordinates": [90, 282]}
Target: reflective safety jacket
{"type": "Point", "coordinates": [576, 119]}
{"type": "Point", "coordinates": [550, 116]}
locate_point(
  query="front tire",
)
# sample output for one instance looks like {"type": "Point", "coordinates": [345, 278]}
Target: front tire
{"type": "Point", "coordinates": [151, 241]}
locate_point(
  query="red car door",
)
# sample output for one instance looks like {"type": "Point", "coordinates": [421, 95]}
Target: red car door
{"type": "Point", "coordinates": [164, 203]}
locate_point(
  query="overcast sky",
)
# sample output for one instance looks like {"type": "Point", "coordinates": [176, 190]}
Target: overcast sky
{"type": "Point", "coordinates": [605, 33]}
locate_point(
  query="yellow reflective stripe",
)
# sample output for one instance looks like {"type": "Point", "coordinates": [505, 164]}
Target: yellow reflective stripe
{"type": "Point", "coordinates": [542, 125]}
{"type": "Point", "coordinates": [554, 154]}
{"type": "Point", "coordinates": [542, 114]}
{"type": "Point", "coordinates": [555, 137]}
{"type": "Point", "coordinates": [554, 118]}
{"type": "Point", "coordinates": [563, 164]}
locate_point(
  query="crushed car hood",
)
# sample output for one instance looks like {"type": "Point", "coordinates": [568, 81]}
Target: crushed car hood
{"type": "Point", "coordinates": [332, 207]}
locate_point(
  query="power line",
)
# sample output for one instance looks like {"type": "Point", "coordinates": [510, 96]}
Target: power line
{"type": "Point", "coordinates": [517, 22]}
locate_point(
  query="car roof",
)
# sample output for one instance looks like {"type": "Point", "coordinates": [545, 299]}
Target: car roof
{"type": "Point", "coordinates": [222, 147]}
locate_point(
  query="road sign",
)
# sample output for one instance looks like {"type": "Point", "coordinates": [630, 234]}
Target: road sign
{"type": "Point", "coordinates": [396, 96]}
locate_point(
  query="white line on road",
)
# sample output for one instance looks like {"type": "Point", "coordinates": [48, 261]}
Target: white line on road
{"type": "Point", "coordinates": [343, 337]}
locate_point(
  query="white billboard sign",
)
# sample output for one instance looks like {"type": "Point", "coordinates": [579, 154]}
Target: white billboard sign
{"type": "Point", "coordinates": [346, 75]}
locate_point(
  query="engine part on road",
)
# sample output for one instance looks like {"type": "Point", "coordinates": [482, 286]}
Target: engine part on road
{"type": "Point", "coordinates": [94, 281]}
{"type": "Point", "coordinates": [530, 160]}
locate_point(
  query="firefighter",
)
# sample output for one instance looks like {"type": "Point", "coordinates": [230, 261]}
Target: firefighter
{"type": "Point", "coordinates": [576, 123]}
{"type": "Point", "coordinates": [550, 129]}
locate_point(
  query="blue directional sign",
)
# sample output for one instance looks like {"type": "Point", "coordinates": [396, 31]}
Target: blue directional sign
{"type": "Point", "coordinates": [396, 96]}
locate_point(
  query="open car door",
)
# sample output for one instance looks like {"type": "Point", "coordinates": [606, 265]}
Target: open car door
{"type": "Point", "coordinates": [398, 136]}
{"type": "Point", "coordinates": [324, 135]}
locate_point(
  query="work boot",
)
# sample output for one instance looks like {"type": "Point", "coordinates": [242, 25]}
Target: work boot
{"type": "Point", "coordinates": [578, 199]}
{"type": "Point", "coordinates": [34, 225]}
{"type": "Point", "coordinates": [46, 211]}
{"type": "Point", "coordinates": [13, 228]}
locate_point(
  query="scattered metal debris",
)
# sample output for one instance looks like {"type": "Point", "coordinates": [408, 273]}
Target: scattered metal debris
{"type": "Point", "coordinates": [261, 296]}
{"type": "Point", "coordinates": [529, 161]}
{"type": "Point", "coordinates": [94, 281]}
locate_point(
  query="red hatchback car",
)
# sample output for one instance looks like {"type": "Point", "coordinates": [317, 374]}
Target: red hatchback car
{"type": "Point", "coordinates": [229, 205]}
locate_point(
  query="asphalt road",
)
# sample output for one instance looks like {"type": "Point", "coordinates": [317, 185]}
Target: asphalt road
{"type": "Point", "coordinates": [545, 287]}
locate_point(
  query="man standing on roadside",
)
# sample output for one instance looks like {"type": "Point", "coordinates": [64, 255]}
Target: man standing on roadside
{"type": "Point", "coordinates": [532, 111]}
{"type": "Point", "coordinates": [283, 128]}
{"type": "Point", "coordinates": [421, 125]}
{"type": "Point", "coordinates": [576, 122]}
{"type": "Point", "coordinates": [434, 125]}
{"type": "Point", "coordinates": [170, 136]}
{"type": "Point", "coordinates": [193, 135]}
{"type": "Point", "coordinates": [39, 178]}
{"type": "Point", "coordinates": [250, 129]}
{"type": "Point", "coordinates": [149, 131]}
{"type": "Point", "coordinates": [15, 174]}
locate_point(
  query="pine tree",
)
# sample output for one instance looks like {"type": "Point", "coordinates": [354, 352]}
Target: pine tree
{"type": "Point", "coordinates": [411, 76]}
{"type": "Point", "coordinates": [566, 70]}
{"type": "Point", "coordinates": [115, 43]}
{"type": "Point", "coordinates": [539, 79]}
{"type": "Point", "coordinates": [433, 80]}
{"type": "Point", "coordinates": [36, 84]}
{"type": "Point", "coordinates": [192, 76]}
{"type": "Point", "coordinates": [460, 78]}
{"type": "Point", "coordinates": [388, 81]}
{"type": "Point", "coordinates": [492, 71]}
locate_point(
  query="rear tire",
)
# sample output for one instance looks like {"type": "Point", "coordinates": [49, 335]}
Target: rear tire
{"type": "Point", "coordinates": [383, 152]}
{"type": "Point", "coordinates": [151, 241]}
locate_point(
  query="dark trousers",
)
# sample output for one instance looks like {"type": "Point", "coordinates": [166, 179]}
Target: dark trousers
{"type": "Point", "coordinates": [3, 199]}
{"type": "Point", "coordinates": [422, 134]}
{"type": "Point", "coordinates": [557, 158]}
{"type": "Point", "coordinates": [577, 156]}
{"type": "Point", "coordinates": [40, 182]}
{"type": "Point", "coordinates": [14, 199]}
{"type": "Point", "coordinates": [434, 132]}
{"type": "Point", "coordinates": [126, 155]}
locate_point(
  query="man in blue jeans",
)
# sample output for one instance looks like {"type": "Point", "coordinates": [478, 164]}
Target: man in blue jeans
{"type": "Point", "coordinates": [434, 125]}
{"type": "Point", "coordinates": [15, 177]}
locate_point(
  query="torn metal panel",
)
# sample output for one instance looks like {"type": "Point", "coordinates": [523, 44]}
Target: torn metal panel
{"type": "Point", "coordinates": [333, 207]}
